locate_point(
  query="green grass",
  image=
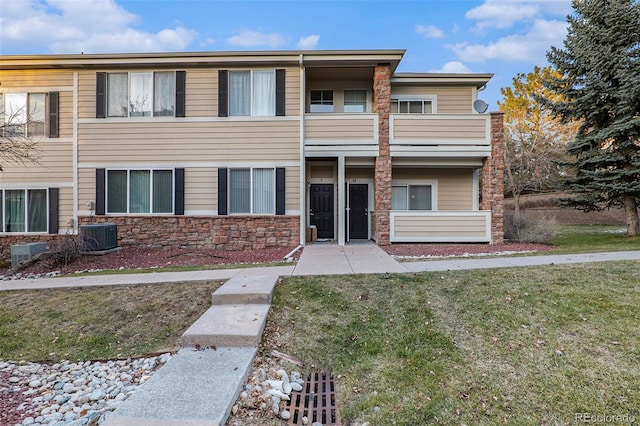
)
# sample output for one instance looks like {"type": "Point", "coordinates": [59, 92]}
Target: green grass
{"type": "Point", "coordinates": [593, 238]}
{"type": "Point", "coordinates": [98, 323]}
{"type": "Point", "coordinates": [521, 345]}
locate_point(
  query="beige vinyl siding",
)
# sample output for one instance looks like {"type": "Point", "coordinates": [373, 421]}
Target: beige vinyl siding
{"type": "Point", "coordinates": [292, 94]}
{"type": "Point", "coordinates": [450, 99]}
{"type": "Point", "coordinates": [359, 174]}
{"type": "Point", "coordinates": [66, 114]}
{"type": "Point", "coordinates": [439, 129]}
{"type": "Point", "coordinates": [86, 187]}
{"type": "Point", "coordinates": [65, 209]}
{"type": "Point", "coordinates": [436, 226]}
{"type": "Point", "coordinates": [201, 93]}
{"type": "Point", "coordinates": [292, 188]}
{"type": "Point", "coordinates": [55, 164]}
{"type": "Point", "coordinates": [201, 189]}
{"type": "Point", "coordinates": [339, 129]}
{"type": "Point", "coordinates": [87, 94]}
{"type": "Point", "coordinates": [18, 79]}
{"type": "Point", "coordinates": [170, 142]}
{"type": "Point", "coordinates": [321, 172]}
{"type": "Point", "coordinates": [455, 186]}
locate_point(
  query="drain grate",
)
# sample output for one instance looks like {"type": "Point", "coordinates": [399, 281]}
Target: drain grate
{"type": "Point", "coordinates": [316, 401]}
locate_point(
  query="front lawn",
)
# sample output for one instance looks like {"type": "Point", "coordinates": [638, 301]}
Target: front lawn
{"type": "Point", "coordinates": [518, 346]}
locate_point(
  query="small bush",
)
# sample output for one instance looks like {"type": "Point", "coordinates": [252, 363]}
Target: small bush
{"type": "Point", "coordinates": [521, 228]}
{"type": "Point", "coordinates": [67, 248]}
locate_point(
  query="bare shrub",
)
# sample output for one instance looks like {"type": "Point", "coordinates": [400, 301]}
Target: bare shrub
{"type": "Point", "coordinates": [521, 228]}
{"type": "Point", "coordinates": [67, 248]}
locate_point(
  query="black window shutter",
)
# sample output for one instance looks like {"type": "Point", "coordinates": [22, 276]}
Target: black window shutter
{"type": "Point", "coordinates": [53, 210]}
{"type": "Point", "coordinates": [223, 93]}
{"type": "Point", "coordinates": [54, 116]}
{"type": "Point", "coordinates": [100, 192]}
{"type": "Point", "coordinates": [280, 92]}
{"type": "Point", "coordinates": [101, 94]}
{"type": "Point", "coordinates": [222, 191]}
{"type": "Point", "coordinates": [280, 191]}
{"type": "Point", "coordinates": [181, 80]}
{"type": "Point", "coordinates": [179, 192]}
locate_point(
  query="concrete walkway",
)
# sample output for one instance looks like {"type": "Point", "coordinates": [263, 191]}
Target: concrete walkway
{"type": "Point", "coordinates": [199, 385]}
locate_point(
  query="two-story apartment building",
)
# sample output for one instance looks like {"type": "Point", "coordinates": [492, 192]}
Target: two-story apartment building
{"type": "Point", "coordinates": [239, 150]}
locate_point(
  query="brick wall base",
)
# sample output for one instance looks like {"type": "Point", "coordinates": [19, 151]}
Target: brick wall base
{"type": "Point", "coordinates": [219, 233]}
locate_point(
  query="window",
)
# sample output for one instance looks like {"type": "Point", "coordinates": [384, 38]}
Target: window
{"type": "Point", "coordinates": [411, 197]}
{"type": "Point", "coordinates": [252, 190]}
{"type": "Point", "coordinates": [321, 101]}
{"type": "Point", "coordinates": [24, 210]}
{"type": "Point", "coordinates": [141, 94]}
{"type": "Point", "coordinates": [411, 106]}
{"type": "Point", "coordinates": [355, 101]}
{"type": "Point", "coordinates": [252, 93]}
{"type": "Point", "coordinates": [23, 114]}
{"type": "Point", "coordinates": [139, 191]}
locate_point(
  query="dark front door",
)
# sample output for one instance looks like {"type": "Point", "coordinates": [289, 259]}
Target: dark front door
{"type": "Point", "coordinates": [322, 209]}
{"type": "Point", "coordinates": [358, 211]}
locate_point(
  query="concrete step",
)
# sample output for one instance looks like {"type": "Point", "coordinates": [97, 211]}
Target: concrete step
{"type": "Point", "coordinates": [228, 325]}
{"type": "Point", "coordinates": [245, 288]}
{"type": "Point", "coordinates": [194, 388]}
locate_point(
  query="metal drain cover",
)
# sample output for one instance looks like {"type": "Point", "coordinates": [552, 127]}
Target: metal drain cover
{"type": "Point", "coordinates": [316, 401]}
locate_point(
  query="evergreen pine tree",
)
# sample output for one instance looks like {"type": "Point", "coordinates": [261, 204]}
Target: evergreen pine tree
{"type": "Point", "coordinates": [599, 88]}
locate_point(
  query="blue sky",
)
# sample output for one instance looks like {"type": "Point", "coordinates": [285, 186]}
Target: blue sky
{"type": "Point", "coordinates": [503, 37]}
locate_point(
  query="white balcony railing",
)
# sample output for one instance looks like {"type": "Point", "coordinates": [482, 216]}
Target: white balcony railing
{"type": "Point", "coordinates": [440, 226]}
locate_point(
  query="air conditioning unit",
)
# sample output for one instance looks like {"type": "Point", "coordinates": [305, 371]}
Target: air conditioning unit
{"type": "Point", "coordinates": [23, 252]}
{"type": "Point", "coordinates": [98, 237]}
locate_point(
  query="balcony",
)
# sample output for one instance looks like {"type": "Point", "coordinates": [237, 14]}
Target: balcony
{"type": "Point", "coordinates": [440, 226]}
{"type": "Point", "coordinates": [349, 134]}
{"type": "Point", "coordinates": [451, 135]}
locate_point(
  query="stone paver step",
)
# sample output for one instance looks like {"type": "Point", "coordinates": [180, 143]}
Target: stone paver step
{"type": "Point", "coordinates": [245, 288]}
{"type": "Point", "coordinates": [228, 325]}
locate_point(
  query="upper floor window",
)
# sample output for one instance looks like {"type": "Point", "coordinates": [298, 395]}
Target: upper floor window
{"type": "Point", "coordinates": [23, 210]}
{"type": "Point", "coordinates": [321, 101]}
{"type": "Point", "coordinates": [139, 191]}
{"type": "Point", "coordinates": [23, 114]}
{"type": "Point", "coordinates": [251, 93]}
{"type": "Point", "coordinates": [411, 106]}
{"type": "Point", "coordinates": [355, 101]}
{"type": "Point", "coordinates": [140, 94]}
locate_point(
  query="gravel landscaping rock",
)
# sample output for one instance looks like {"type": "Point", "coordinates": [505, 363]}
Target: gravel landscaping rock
{"type": "Point", "coordinates": [69, 393]}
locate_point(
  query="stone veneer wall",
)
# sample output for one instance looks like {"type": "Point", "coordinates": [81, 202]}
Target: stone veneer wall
{"type": "Point", "coordinates": [493, 179]}
{"type": "Point", "coordinates": [382, 107]}
{"type": "Point", "coordinates": [210, 232]}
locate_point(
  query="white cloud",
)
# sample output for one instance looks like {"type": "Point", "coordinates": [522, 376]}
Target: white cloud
{"type": "Point", "coordinates": [453, 67]}
{"type": "Point", "coordinates": [502, 13]}
{"type": "Point", "coordinates": [249, 38]}
{"type": "Point", "coordinates": [530, 47]}
{"type": "Point", "coordinates": [308, 42]}
{"type": "Point", "coordinates": [429, 31]}
{"type": "Point", "coordinates": [90, 26]}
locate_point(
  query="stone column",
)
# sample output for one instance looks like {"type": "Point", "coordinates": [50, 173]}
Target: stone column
{"type": "Point", "coordinates": [382, 107]}
{"type": "Point", "coordinates": [493, 179]}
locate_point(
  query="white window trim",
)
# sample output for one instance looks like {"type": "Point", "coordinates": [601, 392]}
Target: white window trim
{"type": "Point", "coordinates": [153, 96]}
{"type": "Point", "coordinates": [28, 93]}
{"type": "Point", "coordinates": [432, 98]}
{"type": "Point", "coordinates": [333, 101]}
{"type": "Point", "coordinates": [128, 170]}
{"type": "Point", "coordinates": [420, 182]}
{"type": "Point", "coordinates": [250, 191]}
{"type": "Point", "coordinates": [26, 210]}
{"type": "Point", "coordinates": [251, 70]}
{"type": "Point", "coordinates": [366, 100]}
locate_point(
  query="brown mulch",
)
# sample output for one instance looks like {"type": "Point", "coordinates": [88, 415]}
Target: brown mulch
{"type": "Point", "coordinates": [150, 257]}
{"type": "Point", "coordinates": [450, 250]}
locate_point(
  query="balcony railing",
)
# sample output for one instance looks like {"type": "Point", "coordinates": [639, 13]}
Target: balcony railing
{"type": "Point", "coordinates": [440, 226]}
{"type": "Point", "coordinates": [332, 133]}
